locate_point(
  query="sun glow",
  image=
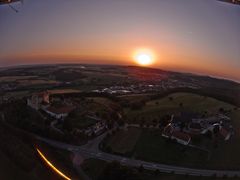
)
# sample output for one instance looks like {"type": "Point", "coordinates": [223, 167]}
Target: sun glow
{"type": "Point", "coordinates": [144, 57]}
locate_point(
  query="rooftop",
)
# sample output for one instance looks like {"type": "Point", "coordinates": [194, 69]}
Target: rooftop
{"type": "Point", "coordinates": [181, 135]}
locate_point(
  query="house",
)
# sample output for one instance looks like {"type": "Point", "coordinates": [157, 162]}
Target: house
{"type": "Point", "coordinates": [59, 112]}
{"type": "Point", "coordinates": [38, 99]}
{"type": "Point", "coordinates": [96, 129]}
{"type": "Point", "coordinates": [195, 128]}
{"type": "Point", "coordinates": [180, 137]}
{"type": "Point", "coordinates": [226, 134]}
{"type": "Point", "coordinates": [185, 125]}
{"type": "Point", "coordinates": [167, 131]}
{"type": "Point", "coordinates": [99, 127]}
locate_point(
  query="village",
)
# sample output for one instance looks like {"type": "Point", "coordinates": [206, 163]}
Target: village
{"type": "Point", "coordinates": [163, 129]}
{"type": "Point", "coordinates": [157, 86]}
{"type": "Point", "coordinates": [182, 127]}
{"type": "Point", "coordinates": [59, 109]}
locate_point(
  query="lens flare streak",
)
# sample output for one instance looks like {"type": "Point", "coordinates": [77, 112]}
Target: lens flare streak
{"type": "Point", "coordinates": [51, 165]}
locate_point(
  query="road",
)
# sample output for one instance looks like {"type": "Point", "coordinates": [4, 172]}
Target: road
{"type": "Point", "coordinates": [97, 154]}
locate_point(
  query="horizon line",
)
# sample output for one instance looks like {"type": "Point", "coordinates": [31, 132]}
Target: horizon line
{"type": "Point", "coordinates": [126, 65]}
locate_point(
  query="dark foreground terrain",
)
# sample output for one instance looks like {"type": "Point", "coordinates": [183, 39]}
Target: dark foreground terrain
{"type": "Point", "coordinates": [111, 97]}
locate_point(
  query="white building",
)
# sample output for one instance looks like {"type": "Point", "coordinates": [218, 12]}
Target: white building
{"type": "Point", "coordinates": [59, 112]}
{"type": "Point", "coordinates": [36, 101]}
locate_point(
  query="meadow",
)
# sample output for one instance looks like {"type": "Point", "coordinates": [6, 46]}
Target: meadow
{"type": "Point", "coordinates": [154, 110]}
{"type": "Point", "coordinates": [148, 144]}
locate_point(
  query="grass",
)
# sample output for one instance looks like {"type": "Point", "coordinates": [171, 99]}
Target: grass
{"type": "Point", "coordinates": [101, 100]}
{"type": "Point", "coordinates": [226, 155]}
{"type": "Point", "coordinates": [16, 94]}
{"type": "Point", "coordinates": [124, 140]}
{"type": "Point", "coordinates": [151, 146]}
{"type": "Point", "coordinates": [27, 82]}
{"type": "Point", "coordinates": [190, 101]}
{"type": "Point", "coordinates": [15, 78]}
{"type": "Point", "coordinates": [93, 167]}
{"type": "Point", "coordinates": [63, 91]}
{"type": "Point", "coordinates": [135, 97]}
{"type": "Point", "coordinates": [80, 122]}
{"type": "Point", "coordinates": [155, 109]}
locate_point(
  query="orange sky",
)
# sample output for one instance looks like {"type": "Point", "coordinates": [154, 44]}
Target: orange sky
{"type": "Point", "coordinates": [191, 36]}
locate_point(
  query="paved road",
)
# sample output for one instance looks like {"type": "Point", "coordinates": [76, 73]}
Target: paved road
{"type": "Point", "coordinates": [94, 144]}
{"type": "Point", "coordinates": [94, 153]}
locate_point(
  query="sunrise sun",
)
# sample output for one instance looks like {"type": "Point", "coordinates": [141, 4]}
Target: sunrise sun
{"type": "Point", "coordinates": [144, 57]}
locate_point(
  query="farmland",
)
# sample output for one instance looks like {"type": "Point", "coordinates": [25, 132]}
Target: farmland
{"type": "Point", "coordinates": [124, 141]}
{"type": "Point", "coordinates": [174, 103]}
{"type": "Point", "coordinates": [149, 145]}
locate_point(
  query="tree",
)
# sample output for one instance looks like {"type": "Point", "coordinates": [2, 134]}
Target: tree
{"type": "Point", "coordinates": [67, 125]}
{"type": "Point", "coordinates": [108, 149]}
{"type": "Point", "coordinates": [221, 110]}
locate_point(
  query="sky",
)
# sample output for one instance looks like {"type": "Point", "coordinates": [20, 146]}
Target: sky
{"type": "Point", "coordinates": [198, 36]}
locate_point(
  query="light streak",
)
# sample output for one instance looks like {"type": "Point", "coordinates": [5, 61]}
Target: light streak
{"type": "Point", "coordinates": [51, 165]}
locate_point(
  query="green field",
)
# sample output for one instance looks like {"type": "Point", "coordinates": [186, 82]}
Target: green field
{"type": "Point", "coordinates": [105, 103]}
{"type": "Point", "coordinates": [150, 145]}
{"type": "Point", "coordinates": [124, 140]}
{"type": "Point", "coordinates": [155, 109]}
{"type": "Point", "coordinates": [226, 155]}
{"type": "Point", "coordinates": [93, 167]}
{"type": "Point", "coordinates": [79, 121]}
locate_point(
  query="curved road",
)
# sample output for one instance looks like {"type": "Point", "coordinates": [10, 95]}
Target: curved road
{"type": "Point", "coordinates": [89, 152]}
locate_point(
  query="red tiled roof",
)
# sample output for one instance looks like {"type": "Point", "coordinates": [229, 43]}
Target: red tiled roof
{"type": "Point", "coordinates": [224, 132]}
{"type": "Point", "coordinates": [60, 110]}
{"type": "Point", "coordinates": [167, 131]}
{"type": "Point", "coordinates": [181, 135]}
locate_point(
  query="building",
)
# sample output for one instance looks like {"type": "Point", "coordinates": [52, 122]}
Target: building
{"type": "Point", "coordinates": [226, 134]}
{"type": "Point", "coordinates": [37, 100]}
{"type": "Point", "coordinates": [59, 112]}
{"type": "Point", "coordinates": [180, 137]}
{"type": "Point", "coordinates": [195, 128]}
{"type": "Point", "coordinates": [167, 132]}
